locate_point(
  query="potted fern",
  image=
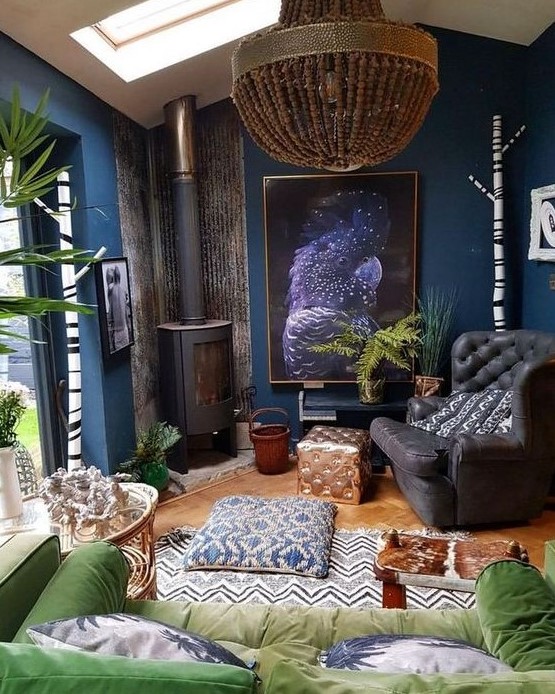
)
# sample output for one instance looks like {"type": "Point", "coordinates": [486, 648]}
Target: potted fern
{"type": "Point", "coordinates": [437, 314]}
{"type": "Point", "coordinates": [373, 350]}
{"type": "Point", "coordinates": [148, 463]}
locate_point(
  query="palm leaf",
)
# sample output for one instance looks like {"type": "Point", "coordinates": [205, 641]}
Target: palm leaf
{"type": "Point", "coordinates": [22, 136]}
{"type": "Point", "coordinates": [32, 255]}
{"type": "Point", "coordinates": [12, 306]}
{"type": "Point", "coordinates": [18, 186]}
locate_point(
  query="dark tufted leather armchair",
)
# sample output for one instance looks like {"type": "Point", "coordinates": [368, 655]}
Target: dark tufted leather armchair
{"type": "Point", "coordinates": [471, 479]}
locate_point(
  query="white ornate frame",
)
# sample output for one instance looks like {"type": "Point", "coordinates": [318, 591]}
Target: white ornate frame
{"type": "Point", "coordinates": [541, 199]}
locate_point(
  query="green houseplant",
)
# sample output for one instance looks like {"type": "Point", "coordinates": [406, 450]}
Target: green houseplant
{"type": "Point", "coordinates": [437, 314]}
{"type": "Point", "coordinates": [395, 344]}
{"type": "Point", "coordinates": [22, 138]}
{"type": "Point", "coordinates": [13, 401]}
{"type": "Point", "coordinates": [148, 463]}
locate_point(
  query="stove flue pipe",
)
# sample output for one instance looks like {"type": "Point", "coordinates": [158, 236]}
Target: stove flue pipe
{"type": "Point", "coordinates": [179, 118]}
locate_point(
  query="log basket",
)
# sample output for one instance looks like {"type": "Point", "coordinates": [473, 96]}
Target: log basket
{"type": "Point", "coordinates": [271, 442]}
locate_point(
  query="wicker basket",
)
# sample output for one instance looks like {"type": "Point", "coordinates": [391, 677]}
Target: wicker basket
{"type": "Point", "coordinates": [271, 443]}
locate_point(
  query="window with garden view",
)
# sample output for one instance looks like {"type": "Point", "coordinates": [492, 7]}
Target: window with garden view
{"type": "Point", "coordinates": [17, 367]}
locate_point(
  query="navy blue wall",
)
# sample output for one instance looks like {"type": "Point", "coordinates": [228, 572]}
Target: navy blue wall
{"type": "Point", "coordinates": [538, 301]}
{"type": "Point", "coordinates": [478, 79]}
{"type": "Point", "coordinates": [87, 144]}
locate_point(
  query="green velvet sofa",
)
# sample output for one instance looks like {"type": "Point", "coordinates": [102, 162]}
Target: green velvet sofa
{"type": "Point", "coordinates": [514, 620]}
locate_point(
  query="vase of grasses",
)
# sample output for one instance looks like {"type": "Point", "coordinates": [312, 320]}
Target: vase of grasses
{"type": "Point", "coordinates": [12, 407]}
{"type": "Point", "coordinates": [436, 308]}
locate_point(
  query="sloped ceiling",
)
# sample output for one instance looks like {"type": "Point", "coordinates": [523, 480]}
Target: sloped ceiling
{"type": "Point", "coordinates": [44, 27]}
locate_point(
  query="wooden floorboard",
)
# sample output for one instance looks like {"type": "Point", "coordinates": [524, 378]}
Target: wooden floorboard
{"type": "Point", "coordinates": [383, 507]}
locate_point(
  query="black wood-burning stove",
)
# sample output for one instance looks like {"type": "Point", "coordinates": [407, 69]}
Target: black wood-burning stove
{"type": "Point", "coordinates": [196, 354]}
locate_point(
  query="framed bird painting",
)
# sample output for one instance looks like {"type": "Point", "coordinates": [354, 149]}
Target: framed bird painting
{"type": "Point", "coordinates": [340, 248]}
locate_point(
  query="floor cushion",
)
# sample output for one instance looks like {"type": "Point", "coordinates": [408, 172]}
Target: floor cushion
{"type": "Point", "coordinates": [248, 533]}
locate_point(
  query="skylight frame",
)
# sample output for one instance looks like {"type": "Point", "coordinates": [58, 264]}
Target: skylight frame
{"type": "Point", "coordinates": [225, 23]}
{"type": "Point", "coordinates": [116, 29]}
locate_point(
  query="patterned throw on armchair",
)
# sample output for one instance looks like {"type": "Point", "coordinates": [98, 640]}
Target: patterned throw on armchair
{"type": "Point", "coordinates": [470, 459]}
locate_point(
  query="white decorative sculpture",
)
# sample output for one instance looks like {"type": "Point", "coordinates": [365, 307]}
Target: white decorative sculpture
{"type": "Point", "coordinates": [82, 497]}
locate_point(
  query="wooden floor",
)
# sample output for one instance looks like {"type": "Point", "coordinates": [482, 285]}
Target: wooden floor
{"type": "Point", "coordinates": [384, 508]}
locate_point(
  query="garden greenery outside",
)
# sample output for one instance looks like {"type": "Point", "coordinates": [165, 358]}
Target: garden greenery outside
{"type": "Point", "coordinates": [12, 283]}
{"type": "Point", "coordinates": [28, 435]}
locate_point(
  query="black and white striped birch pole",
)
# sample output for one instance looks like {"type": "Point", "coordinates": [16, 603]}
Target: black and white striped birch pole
{"type": "Point", "coordinates": [69, 287]}
{"type": "Point", "coordinates": [498, 220]}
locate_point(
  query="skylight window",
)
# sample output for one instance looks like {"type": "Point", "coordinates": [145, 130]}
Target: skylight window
{"type": "Point", "coordinates": [151, 16]}
{"type": "Point", "coordinates": [158, 33]}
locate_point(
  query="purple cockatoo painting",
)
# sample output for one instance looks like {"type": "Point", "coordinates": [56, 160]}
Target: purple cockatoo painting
{"type": "Point", "coordinates": [333, 279]}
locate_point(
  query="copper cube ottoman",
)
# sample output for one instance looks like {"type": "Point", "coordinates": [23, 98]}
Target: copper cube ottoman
{"type": "Point", "coordinates": [333, 463]}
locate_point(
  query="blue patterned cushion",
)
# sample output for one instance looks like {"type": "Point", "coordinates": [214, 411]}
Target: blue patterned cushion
{"type": "Point", "coordinates": [249, 533]}
{"type": "Point", "coordinates": [471, 413]}
{"type": "Point", "coordinates": [403, 653]}
{"type": "Point", "coordinates": [130, 636]}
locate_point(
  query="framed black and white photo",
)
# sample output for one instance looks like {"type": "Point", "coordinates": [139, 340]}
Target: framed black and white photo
{"type": "Point", "coordinates": [339, 248]}
{"type": "Point", "coordinates": [114, 306]}
{"type": "Point", "coordinates": [542, 224]}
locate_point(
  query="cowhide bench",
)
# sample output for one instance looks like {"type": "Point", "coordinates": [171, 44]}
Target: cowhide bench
{"type": "Point", "coordinates": [333, 462]}
{"type": "Point", "coordinates": [435, 562]}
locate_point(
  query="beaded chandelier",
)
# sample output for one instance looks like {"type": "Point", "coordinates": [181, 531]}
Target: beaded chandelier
{"type": "Point", "coordinates": [334, 84]}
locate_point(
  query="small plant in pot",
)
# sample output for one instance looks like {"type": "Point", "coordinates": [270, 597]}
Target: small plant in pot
{"type": "Point", "coordinates": [13, 402]}
{"type": "Point", "coordinates": [437, 314]}
{"type": "Point", "coordinates": [149, 461]}
{"type": "Point", "coordinates": [373, 350]}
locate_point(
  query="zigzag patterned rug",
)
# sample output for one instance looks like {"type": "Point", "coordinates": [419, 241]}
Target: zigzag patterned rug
{"type": "Point", "coordinates": [350, 582]}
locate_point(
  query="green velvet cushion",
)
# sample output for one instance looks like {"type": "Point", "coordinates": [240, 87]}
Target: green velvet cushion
{"type": "Point", "coordinates": [25, 668]}
{"type": "Point", "coordinates": [27, 562]}
{"type": "Point", "coordinates": [271, 633]}
{"type": "Point", "coordinates": [516, 608]}
{"type": "Point", "coordinates": [289, 677]}
{"type": "Point", "coordinates": [92, 580]}
{"type": "Point", "coordinates": [550, 564]}
{"type": "Point", "coordinates": [259, 626]}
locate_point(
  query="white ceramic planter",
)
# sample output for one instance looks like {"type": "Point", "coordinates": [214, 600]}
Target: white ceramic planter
{"type": "Point", "coordinates": [11, 502]}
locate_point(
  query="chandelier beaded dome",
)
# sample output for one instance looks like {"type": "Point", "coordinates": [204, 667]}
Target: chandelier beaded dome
{"type": "Point", "coordinates": [334, 84]}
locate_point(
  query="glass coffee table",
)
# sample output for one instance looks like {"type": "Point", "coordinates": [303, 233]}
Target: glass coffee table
{"type": "Point", "coordinates": [131, 529]}
{"type": "Point", "coordinates": [435, 562]}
